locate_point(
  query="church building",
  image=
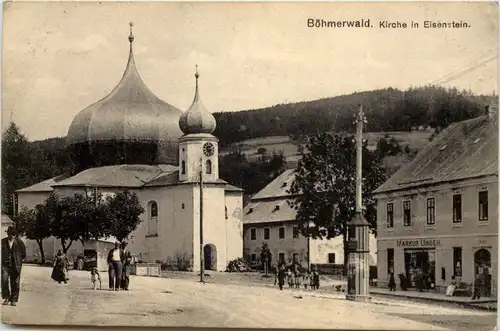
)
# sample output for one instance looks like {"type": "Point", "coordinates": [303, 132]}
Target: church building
{"type": "Point", "coordinates": [132, 140]}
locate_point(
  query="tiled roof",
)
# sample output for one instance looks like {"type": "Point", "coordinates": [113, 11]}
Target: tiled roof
{"type": "Point", "coordinates": [126, 176]}
{"type": "Point", "coordinates": [463, 150]}
{"type": "Point", "coordinates": [267, 211]}
{"type": "Point", "coordinates": [278, 187]}
{"type": "Point", "coordinates": [45, 186]}
{"type": "Point", "coordinates": [231, 188]}
{"type": "Point", "coordinates": [114, 176]}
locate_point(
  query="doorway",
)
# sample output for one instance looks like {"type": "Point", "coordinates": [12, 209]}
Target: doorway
{"type": "Point", "coordinates": [423, 260]}
{"type": "Point", "coordinates": [210, 257]}
{"type": "Point", "coordinates": [482, 267]}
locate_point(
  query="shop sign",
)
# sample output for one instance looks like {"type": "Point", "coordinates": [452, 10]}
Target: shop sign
{"type": "Point", "coordinates": [418, 243]}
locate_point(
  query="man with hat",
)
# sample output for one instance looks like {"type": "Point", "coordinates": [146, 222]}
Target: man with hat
{"type": "Point", "coordinates": [126, 266]}
{"type": "Point", "coordinates": [13, 254]}
{"type": "Point", "coordinates": [115, 264]}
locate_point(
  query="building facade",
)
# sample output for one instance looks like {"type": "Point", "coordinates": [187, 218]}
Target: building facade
{"type": "Point", "coordinates": [439, 213]}
{"type": "Point", "coordinates": [269, 218]}
{"type": "Point", "coordinates": [133, 122]}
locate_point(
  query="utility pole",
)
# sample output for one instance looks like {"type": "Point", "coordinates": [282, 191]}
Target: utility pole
{"type": "Point", "coordinates": [202, 258]}
{"type": "Point", "coordinates": [358, 244]}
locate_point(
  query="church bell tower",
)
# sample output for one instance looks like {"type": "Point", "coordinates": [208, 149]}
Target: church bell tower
{"type": "Point", "coordinates": [198, 147]}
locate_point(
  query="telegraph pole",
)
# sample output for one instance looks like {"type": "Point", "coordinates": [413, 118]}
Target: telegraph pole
{"type": "Point", "coordinates": [202, 259]}
{"type": "Point", "coordinates": [358, 244]}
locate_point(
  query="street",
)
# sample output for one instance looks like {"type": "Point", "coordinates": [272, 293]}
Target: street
{"type": "Point", "coordinates": [181, 302]}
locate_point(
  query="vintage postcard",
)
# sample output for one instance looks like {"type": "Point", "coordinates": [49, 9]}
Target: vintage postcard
{"type": "Point", "coordinates": [300, 165]}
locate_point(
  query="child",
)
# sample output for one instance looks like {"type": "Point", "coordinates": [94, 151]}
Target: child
{"type": "Point", "coordinates": [289, 275]}
{"type": "Point", "coordinates": [94, 278]}
{"type": "Point", "coordinates": [306, 279]}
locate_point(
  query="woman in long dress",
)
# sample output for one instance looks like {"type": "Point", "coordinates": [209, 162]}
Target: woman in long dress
{"type": "Point", "coordinates": [60, 270]}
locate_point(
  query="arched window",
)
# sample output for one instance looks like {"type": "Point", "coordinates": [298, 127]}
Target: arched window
{"type": "Point", "coordinates": [153, 218]}
{"type": "Point", "coordinates": [183, 166]}
{"type": "Point", "coordinates": [208, 167]}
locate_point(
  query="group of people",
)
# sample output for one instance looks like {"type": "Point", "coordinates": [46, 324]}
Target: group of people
{"type": "Point", "coordinates": [295, 275]}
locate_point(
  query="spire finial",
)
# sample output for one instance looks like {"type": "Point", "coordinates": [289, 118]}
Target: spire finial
{"type": "Point", "coordinates": [131, 36]}
{"type": "Point", "coordinates": [196, 75]}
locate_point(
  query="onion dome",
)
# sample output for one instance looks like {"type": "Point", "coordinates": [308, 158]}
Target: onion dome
{"type": "Point", "coordinates": [197, 119]}
{"type": "Point", "coordinates": [128, 126]}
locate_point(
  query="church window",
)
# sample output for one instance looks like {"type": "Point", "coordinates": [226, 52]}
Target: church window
{"type": "Point", "coordinates": [208, 167]}
{"type": "Point", "coordinates": [153, 218]}
{"type": "Point", "coordinates": [183, 166]}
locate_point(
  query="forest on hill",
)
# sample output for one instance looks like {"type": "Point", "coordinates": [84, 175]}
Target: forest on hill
{"type": "Point", "coordinates": [386, 110]}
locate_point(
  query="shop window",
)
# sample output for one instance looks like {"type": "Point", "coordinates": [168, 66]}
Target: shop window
{"type": "Point", "coordinates": [390, 261]}
{"type": "Point", "coordinates": [390, 215]}
{"type": "Point", "coordinates": [431, 211]}
{"type": "Point", "coordinates": [457, 208]}
{"type": "Point", "coordinates": [295, 232]}
{"type": "Point", "coordinates": [267, 233]}
{"type": "Point", "coordinates": [407, 213]}
{"type": "Point", "coordinates": [457, 261]}
{"type": "Point", "coordinates": [253, 234]}
{"type": "Point", "coordinates": [253, 257]}
{"type": "Point", "coordinates": [281, 258]}
{"type": "Point", "coordinates": [331, 258]}
{"type": "Point", "coordinates": [483, 206]}
{"type": "Point", "coordinates": [282, 232]}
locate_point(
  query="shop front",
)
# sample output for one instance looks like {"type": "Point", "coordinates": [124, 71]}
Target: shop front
{"type": "Point", "coordinates": [439, 261]}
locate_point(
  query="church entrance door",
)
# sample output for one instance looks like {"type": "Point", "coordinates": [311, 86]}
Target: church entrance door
{"type": "Point", "coordinates": [210, 257]}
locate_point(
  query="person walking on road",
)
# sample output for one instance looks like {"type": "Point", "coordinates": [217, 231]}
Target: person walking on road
{"type": "Point", "coordinates": [281, 276]}
{"type": "Point", "coordinates": [13, 254]}
{"type": "Point", "coordinates": [60, 270]}
{"type": "Point", "coordinates": [127, 260]}
{"type": "Point", "coordinates": [115, 264]}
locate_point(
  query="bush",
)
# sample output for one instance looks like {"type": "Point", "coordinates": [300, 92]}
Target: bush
{"type": "Point", "coordinates": [238, 265]}
{"type": "Point", "coordinates": [182, 262]}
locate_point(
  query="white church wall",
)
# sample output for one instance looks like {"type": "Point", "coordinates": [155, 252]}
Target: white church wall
{"type": "Point", "coordinates": [234, 225]}
{"type": "Point", "coordinates": [173, 235]}
{"type": "Point", "coordinates": [214, 228]}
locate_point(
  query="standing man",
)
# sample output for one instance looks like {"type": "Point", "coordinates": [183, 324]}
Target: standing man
{"type": "Point", "coordinates": [115, 264]}
{"type": "Point", "coordinates": [127, 260]}
{"type": "Point", "coordinates": [13, 254]}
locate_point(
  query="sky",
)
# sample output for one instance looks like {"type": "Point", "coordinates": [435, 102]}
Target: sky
{"type": "Point", "coordinates": [59, 57]}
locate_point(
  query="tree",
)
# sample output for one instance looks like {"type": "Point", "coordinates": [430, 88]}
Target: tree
{"type": "Point", "coordinates": [123, 212]}
{"type": "Point", "coordinates": [325, 186]}
{"type": "Point", "coordinates": [34, 224]}
{"type": "Point", "coordinates": [265, 257]}
{"type": "Point", "coordinates": [16, 165]}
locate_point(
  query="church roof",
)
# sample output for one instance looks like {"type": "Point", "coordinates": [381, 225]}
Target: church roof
{"type": "Point", "coordinates": [45, 186]}
{"type": "Point", "coordinates": [197, 119]}
{"type": "Point", "coordinates": [131, 112]}
{"type": "Point", "coordinates": [463, 150]}
{"type": "Point", "coordinates": [120, 176]}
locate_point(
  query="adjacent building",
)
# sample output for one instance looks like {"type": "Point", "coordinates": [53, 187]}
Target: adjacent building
{"type": "Point", "coordinates": [132, 140]}
{"type": "Point", "coordinates": [269, 218]}
{"type": "Point", "coordinates": [439, 213]}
